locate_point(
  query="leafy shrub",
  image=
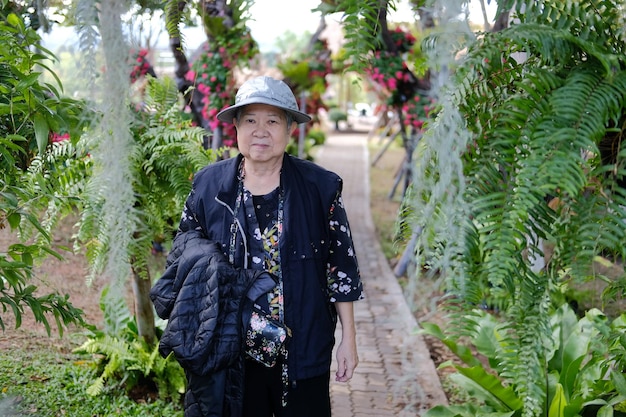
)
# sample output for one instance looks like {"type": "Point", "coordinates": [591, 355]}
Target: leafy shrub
{"type": "Point", "coordinates": [337, 115]}
{"type": "Point", "coordinates": [31, 113]}
{"type": "Point", "coordinates": [124, 359]}
{"type": "Point", "coordinates": [584, 367]}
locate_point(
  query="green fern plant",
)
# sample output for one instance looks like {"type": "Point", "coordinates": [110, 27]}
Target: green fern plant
{"type": "Point", "coordinates": [123, 358]}
{"type": "Point", "coordinates": [167, 150]}
{"type": "Point", "coordinates": [527, 150]}
{"type": "Point", "coordinates": [361, 28]}
{"type": "Point", "coordinates": [166, 153]}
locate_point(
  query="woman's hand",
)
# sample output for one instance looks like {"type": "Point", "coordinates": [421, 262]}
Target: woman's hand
{"type": "Point", "coordinates": [347, 360]}
{"type": "Point", "coordinates": [347, 356]}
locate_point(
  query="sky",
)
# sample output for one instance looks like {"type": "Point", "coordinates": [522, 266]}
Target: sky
{"type": "Point", "coordinates": [271, 18]}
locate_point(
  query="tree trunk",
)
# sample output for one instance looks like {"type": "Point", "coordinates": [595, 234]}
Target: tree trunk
{"type": "Point", "coordinates": [144, 313]}
{"type": "Point", "coordinates": [483, 9]}
{"type": "Point", "coordinates": [502, 21]}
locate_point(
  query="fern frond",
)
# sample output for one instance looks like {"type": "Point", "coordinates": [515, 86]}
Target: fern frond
{"type": "Point", "coordinates": [174, 10]}
{"type": "Point", "coordinates": [96, 387]}
{"type": "Point", "coordinates": [361, 31]}
{"type": "Point", "coordinates": [125, 360]}
{"type": "Point", "coordinates": [599, 22]}
{"type": "Point", "coordinates": [543, 104]}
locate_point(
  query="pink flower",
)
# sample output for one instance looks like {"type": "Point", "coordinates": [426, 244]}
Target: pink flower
{"type": "Point", "coordinates": [56, 137]}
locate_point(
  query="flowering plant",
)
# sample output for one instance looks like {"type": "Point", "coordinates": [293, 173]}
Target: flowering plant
{"type": "Point", "coordinates": [403, 41]}
{"type": "Point", "coordinates": [415, 111]}
{"type": "Point", "coordinates": [390, 71]}
{"type": "Point", "coordinates": [141, 65]}
{"type": "Point", "coordinates": [308, 73]}
{"type": "Point", "coordinates": [212, 74]}
{"type": "Point", "coordinates": [55, 137]}
{"type": "Point", "coordinates": [387, 69]}
{"type": "Point", "coordinates": [320, 64]}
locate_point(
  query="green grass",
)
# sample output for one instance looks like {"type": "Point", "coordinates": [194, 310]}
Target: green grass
{"type": "Point", "coordinates": [48, 383]}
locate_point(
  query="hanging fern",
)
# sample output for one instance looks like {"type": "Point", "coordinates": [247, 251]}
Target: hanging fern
{"type": "Point", "coordinates": [361, 29]}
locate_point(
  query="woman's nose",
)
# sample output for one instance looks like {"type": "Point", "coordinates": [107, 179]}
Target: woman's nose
{"type": "Point", "coordinates": [260, 131]}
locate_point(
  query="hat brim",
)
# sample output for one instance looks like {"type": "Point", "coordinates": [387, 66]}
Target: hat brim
{"type": "Point", "coordinates": [228, 113]}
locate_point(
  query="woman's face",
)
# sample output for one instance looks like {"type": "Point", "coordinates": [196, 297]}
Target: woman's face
{"type": "Point", "coordinates": [262, 133]}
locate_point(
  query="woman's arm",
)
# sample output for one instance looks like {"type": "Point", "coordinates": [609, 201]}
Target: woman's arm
{"type": "Point", "coordinates": [347, 356]}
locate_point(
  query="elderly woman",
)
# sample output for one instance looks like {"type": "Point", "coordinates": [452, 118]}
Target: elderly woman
{"type": "Point", "coordinates": [261, 214]}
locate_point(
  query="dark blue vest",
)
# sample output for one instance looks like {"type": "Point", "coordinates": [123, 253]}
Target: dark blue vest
{"type": "Point", "coordinates": [309, 193]}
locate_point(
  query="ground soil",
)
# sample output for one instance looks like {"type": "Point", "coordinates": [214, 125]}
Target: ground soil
{"type": "Point", "coordinates": [64, 276]}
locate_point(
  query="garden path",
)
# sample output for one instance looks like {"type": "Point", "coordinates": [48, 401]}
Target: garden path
{"type": "Point", "coordinates": [396, 375]}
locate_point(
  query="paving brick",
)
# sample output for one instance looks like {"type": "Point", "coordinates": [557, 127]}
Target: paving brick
{"type": "Point", "coordinates": [387, 378]}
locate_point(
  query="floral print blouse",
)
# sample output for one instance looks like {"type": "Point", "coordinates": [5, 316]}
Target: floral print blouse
{"type": "Point", "coordinates": [263, 232]}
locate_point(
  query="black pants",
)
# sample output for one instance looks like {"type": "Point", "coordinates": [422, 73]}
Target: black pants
{"type": "Point", "coordinates": [263, 392]}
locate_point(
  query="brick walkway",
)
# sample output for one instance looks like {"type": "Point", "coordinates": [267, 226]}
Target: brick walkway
{"type": "Point", "coordinates": [395, 376]}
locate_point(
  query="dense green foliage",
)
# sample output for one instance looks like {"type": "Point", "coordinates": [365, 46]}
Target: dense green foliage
{"type": "Point", "coordinates": [166, 152]}
{"type": "Point", "coordinates": [579, 367]}
{"type": "Point", "coordinates": [30, 113]}
{"type": "Point", "coordinates": [525, 156]}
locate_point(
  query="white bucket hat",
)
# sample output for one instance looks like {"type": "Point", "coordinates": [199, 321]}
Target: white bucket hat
{"type": "Point", "coordinates": [265, 90]}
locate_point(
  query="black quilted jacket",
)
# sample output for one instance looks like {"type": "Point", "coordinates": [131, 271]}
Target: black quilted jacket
{"type": "Point", "coordinates": [202, 297]}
